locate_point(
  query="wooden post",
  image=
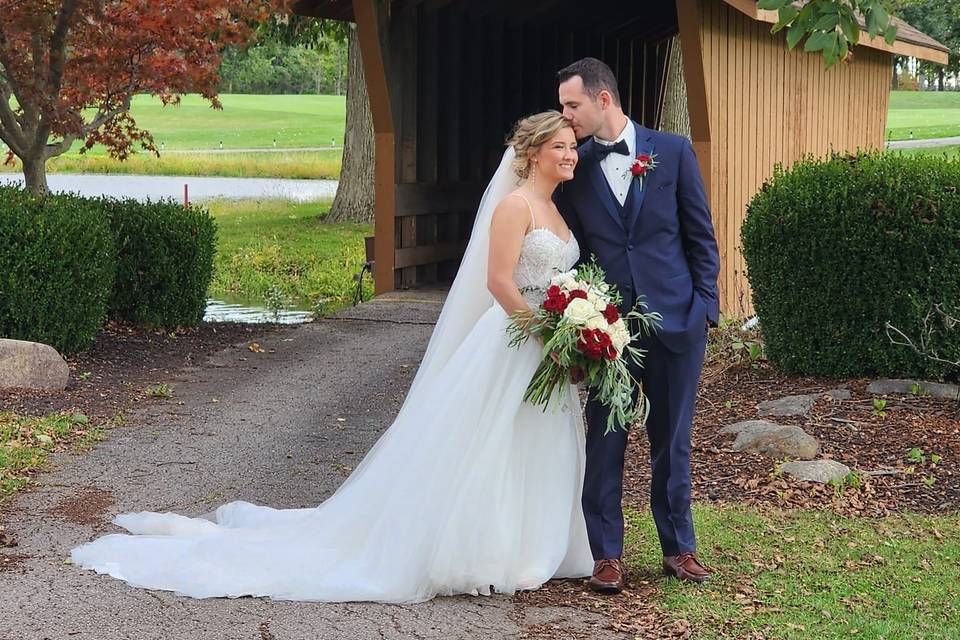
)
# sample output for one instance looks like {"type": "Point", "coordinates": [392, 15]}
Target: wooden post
{"type": "Point", "coordinates": [688, 16]}
{"type": "Point", "coordinates": [367, 14]}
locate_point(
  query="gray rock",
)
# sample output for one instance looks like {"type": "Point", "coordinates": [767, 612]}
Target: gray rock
{"type": "Point", "coordinates": [838, 394]}
{"type": "Point", "coordinates": [788, 406]}
{"type": "Point", "coordinates": [32, 365]}
{"type": "Point", "coordinates": [822, 471]}
{"type": "Point", "coordinates": [935, 389]}
{"type": "Point", "coordinates": [777, 441]}
{"type": "Point", "coordinates": [750, 426]}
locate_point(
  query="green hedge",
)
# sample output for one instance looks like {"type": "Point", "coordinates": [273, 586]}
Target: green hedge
{"type": "Point", "coordinates": [836, 249]}
{"type": "Point", "coordinates": [57, 264]}
{"type": "Point", "coordinates": [164, 262]}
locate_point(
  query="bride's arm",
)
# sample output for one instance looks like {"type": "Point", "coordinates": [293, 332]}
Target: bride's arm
{"type": "Point", "coordinates": [507, 229]}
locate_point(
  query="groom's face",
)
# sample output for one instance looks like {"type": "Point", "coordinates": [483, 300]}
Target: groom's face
{"type": "Point", "coordinates": [583, 112]}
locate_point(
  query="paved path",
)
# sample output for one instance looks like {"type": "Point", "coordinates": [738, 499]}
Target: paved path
{"type": "Point", "coordinates": [282, 428]}
{"type": "Point", "coordinates": [200, 188]}
{"type": "Point", "coordinates": [929, 142]}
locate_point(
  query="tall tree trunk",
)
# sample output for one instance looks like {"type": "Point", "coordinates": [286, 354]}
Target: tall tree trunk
{"type": "Point", "coordinates": [895, 83]}
{"type": "Point", "coordinates": [676, 115]}
{"type": "Point", "coordinates": [940, 74]}
{"type": "Point", "coordinates": [35, 175]}
{"type": "Point", "coordinates": [354, 199]}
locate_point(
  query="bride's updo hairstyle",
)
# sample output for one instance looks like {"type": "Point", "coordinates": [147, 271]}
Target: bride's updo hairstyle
{"type": "Point", "coordinates": [530, 134]}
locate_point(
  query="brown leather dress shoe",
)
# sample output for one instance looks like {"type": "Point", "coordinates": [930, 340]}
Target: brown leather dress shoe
{"type": "Point", "coordinates": [608, 576]}
{"type": "Point", "coordinates": [685, 566]}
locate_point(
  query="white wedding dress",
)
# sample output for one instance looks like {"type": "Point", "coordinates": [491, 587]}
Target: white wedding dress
{"type": "Point", "coordinates": [469, 490]}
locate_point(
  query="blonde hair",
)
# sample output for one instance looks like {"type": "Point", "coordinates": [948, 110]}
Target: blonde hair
{"type": "Point", "coordinates": [529, 134]}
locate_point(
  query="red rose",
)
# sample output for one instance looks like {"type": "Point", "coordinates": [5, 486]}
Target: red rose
{"type": "Point", "coordinates": [638, 169]}
{"type": "Point", "coordinates": [644, 158]}
{"type": "Point", "coordinates": [611, 314]}
{"type": "Point", "coordinates": [577, 375]}
{"type": "Point", "coordinates": [593, 343]}
{"type": "Point", "coordinates": [578, 293]}
{"type": "Point", "coordinates": [554, 292]}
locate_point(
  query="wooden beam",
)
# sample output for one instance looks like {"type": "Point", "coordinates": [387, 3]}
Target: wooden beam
{"type": "Point", "coordinates": [432, 254]}
{"type": "Point", "coordinates": [371, 20]}
{"type": "Point", "coordinates": [688, 15]}
{"type": "Point", "coordinates": [424, 199]}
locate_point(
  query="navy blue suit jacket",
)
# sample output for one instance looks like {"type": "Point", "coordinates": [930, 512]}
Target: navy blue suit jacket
{"type": "Point", "coordinates": [664, 249]}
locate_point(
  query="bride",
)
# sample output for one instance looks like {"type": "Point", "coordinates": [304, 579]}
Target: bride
{"type": "Point", "coordinates": [470, 490]}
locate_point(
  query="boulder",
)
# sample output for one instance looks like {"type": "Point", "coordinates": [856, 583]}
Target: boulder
{"type": "Point", "coordinates": [934, 389]}
{"type": "Point", "coordinates": [822, 471]}
{"type": "Point", "coordinates": [32, 365]}
{"type": "Point", "coordinates": [838, 394]}
{"type": "Point", "coordinates": [774, 440]}
{"type": "Point", "coordinates": [788, 406]}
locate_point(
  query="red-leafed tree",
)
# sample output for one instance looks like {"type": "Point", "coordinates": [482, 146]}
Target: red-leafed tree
{"type": "Point", "coordinates": [69, 68]}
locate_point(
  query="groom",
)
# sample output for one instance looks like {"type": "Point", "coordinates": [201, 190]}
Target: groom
{"type": "Point", "coordinates": [653, 236]}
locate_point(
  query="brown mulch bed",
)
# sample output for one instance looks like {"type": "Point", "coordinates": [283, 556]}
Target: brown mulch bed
{"type": "Point", "coordinates": [123, 363]}
{"type": "Point", "coordinates": [849, 431]}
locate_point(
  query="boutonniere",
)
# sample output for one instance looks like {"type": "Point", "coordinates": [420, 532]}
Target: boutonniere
{"type": "Point", "coordinates": [643, 165]}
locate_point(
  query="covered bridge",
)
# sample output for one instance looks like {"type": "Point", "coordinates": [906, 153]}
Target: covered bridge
{"type": "Point", "coordinates": [448, 78]}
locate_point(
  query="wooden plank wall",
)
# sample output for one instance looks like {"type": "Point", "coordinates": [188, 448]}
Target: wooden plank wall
{"type": "Point", "coordinates": [769, 105]}
{"type": "Point", "coordinates": [460, 78]}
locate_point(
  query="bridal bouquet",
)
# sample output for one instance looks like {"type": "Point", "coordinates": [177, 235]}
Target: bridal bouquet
{"type": "Point", "coordinates": [585, 339]}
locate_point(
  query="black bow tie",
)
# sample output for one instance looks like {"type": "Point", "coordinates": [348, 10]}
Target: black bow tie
{"type": "Point", "coordinates": [618, 147]}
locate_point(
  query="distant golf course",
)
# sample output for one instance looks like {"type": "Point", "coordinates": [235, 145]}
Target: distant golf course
{"type": "Point", "coordinates": [190, 136]}
{"type": "Point", "coordinates": [927, 114]}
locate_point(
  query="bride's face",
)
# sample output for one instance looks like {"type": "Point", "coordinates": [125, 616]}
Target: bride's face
{"type": "Point", "coordinates": [557, 157]}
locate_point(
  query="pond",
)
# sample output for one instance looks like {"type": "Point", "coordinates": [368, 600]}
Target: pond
{"type": "Point", "coordinates": [236, 309]}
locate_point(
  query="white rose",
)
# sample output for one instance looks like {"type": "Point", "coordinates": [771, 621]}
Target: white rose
{"type": "Point", "coordinates": [600, 304]}
{"type": "Point", "coordinates": [564, 279]}
{"type": "Point", "coordinates": [619, 336]}
{"type": "Point", "coordinates": [598, 322]}
{"type": "Point", "coordinates": [579, 311]}
{"type": "Point", "coordinates": [604, 287]}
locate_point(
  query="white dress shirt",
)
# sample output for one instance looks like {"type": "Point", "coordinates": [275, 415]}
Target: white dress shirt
{"type": "Point", "coordinates": [616, 166]}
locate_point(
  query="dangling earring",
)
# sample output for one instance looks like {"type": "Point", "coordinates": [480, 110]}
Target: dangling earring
{"type": "Point", "coordinates": [533, 176]}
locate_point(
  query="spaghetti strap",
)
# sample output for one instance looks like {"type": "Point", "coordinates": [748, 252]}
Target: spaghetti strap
{"type": "Point", "coordinates": [533, 219]}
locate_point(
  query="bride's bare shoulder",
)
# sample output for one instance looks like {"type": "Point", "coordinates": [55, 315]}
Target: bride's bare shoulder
{"type": "Point", "coordinates": [512, 204]}
{"type": "Point", "coordinates": [511, 215]}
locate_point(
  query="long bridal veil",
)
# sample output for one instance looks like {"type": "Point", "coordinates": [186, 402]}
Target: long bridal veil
{"type": "Point", "coordinates": [468, 297]}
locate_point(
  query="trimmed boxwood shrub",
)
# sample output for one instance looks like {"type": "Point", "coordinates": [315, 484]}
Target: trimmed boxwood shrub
{"type": "Point", "coordinates": [57, 264]}
{"type": "Point", "coordinates": [836, 249]}
{"type": "Point", "coordinates": [164, 262]}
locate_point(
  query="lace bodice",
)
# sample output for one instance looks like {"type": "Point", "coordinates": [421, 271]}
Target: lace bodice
{"type": "Point", "coordinates": [543, 255]}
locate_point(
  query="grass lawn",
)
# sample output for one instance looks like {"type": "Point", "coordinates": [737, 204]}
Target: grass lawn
{"type": "Point", "coordinates": [246, 122]}
{"type": "Point", "coordinates": [928, 114]}
{"type": "Point", "coordinates": [288, 164]}
{"type": "Point", "coordinates": [280, 253]}
{"type": "Point", "coordinates": [949, 152]}
{"type": "Point", "coordinates": [813, 574]}
{"type": "Point", "coordinates": [25, 443]}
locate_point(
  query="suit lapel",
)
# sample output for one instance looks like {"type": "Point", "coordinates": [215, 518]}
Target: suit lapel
{"type": "Point", "coordinates": [600, 185]}
{"type": "Point", "coordinates": [635, 196]}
